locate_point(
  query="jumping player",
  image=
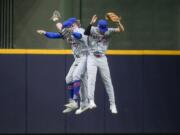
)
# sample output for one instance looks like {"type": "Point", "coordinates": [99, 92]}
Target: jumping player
{"type": "Point", "coordinates": [76, 76]}
{"type": "Point", "coordinates": [99, 38]}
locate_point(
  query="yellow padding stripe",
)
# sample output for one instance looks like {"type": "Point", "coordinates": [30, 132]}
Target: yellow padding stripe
{"type": "Point", "coordinates": [34, 51]}
{"type": "Point", "coordinates": [109, 52]}
{"type": "Point", "coordinates": [143, 52]}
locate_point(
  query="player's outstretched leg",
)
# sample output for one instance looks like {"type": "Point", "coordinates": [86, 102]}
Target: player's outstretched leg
{"type": "Point", "coordinates": [72, 105]}
{"type": "Point", "coordinates": [84, 96]}
{"type": "Point", "coordinates": [92, 72]}
{"type": "Point", "coordinates": [105, 74]}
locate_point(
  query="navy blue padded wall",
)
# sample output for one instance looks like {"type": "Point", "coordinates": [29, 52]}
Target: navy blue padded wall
{"type": "Point", "coordinates": [12, 94]}
{"type": "Point", "coordinates": [46, 93]}
{"type": "Point", "coordinates": [91, 121]}
{"type": "Point", "coordinates": [161, 94]}
{"type": "Point", "coordinates": [127, 78]}
{"type": "Point", "coordinates": [33, 96]}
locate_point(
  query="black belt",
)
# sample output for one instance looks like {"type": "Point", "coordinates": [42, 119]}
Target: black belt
{"type": "Point", "coordinates": [97, 55]}
{"type": "Point", "coordinates": [81, 55]}
{"type": "Point", "coordinates": [77, 56]}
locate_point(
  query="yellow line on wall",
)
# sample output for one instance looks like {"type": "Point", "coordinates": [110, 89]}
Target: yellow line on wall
{"type": "Point", "coordinates": [34, 51]}
{"type": "Point", "coordinates": [109, 52]}
{"type": "Point", "coordinates": [161, 52]}
{"type": "Point", "coordinates": [143, 52]}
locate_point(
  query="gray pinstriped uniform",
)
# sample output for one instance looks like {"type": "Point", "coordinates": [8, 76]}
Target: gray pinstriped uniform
{"type": "Point", "coordinates": [98, 45]}
{"type": "Point", "coordinates": [78, 70]}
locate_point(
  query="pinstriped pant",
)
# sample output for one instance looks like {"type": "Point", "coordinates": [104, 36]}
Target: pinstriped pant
{"type": "Point", "coordinates": [78, 71]}
{"type": "Point", "coordinates": [93, 65]}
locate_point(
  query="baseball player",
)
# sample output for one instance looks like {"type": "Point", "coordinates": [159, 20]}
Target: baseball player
{"type": "Point", "coordinates": [77, 76]}
{"type": "Point", "coordinates": [99, 38]}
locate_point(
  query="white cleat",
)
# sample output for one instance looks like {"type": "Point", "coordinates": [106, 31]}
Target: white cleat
{"type": "Point", "coordinates": [113, 109]}
{"type": "Point", "coordinates": [72, 104]}
{"type": "Point", "coordinates": [82, 109]}
{"type": "Point", "coordinates": [67, 110]}
{"type": "Point", "coordinates": [70, 101]}
{"type": "Point", "coordinates": [92, 105]}
{"type": "Point", "coordinates": [68, 104]}
{"type": "Point", "coordinates": [71, 107]}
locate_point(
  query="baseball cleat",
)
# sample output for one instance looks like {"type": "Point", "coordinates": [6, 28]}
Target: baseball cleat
{"type": "Point", "coordinates": [82, 109]}
{"type": "Point", "coordinates": [68, 104]}
{"type": "Point", "coordinates": [73, 104]}
{"type": "Point", "coordinates": [70, 101]}
{"type": "Point", "coordinates": [113, 109]}
{"type": "Point", "coordinates": [71, 107]}
{"type": "Point", "coordinates": [67, 110]}
{"type": "Point", "coordinates": [92, 104]}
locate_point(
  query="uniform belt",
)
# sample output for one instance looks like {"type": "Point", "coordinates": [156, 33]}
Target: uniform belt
{"type": "Point", "coordinates": [77, 56]}
{"type": "Point", "coordinates": [98, 55]}
{"type": "Point", "coordinates": [81, 55]}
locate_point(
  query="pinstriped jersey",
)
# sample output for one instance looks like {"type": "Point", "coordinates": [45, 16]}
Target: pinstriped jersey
{"type": "Point", "coordinates": [79, 46]}
{"type": "Point", "coordinates": [99, 42]}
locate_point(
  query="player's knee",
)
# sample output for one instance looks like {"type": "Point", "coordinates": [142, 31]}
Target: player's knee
{"type": "Point", "coordinates": [76, 77]}
{"type": "Point", "coordinates": [68, 79]}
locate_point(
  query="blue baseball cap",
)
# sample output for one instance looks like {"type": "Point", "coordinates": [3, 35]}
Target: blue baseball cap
{"type": "Point", "coordinates": [102, 25]}
{"type": "Point", "coordinates": [67, 24]}
{"type": "Point", "coordinates": [72, 20]}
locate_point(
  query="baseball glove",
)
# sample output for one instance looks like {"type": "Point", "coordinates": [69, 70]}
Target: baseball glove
{"type": "Point", "coordinates": [111, 16]}
{"type": "Point", "coordinates": [56, 16]}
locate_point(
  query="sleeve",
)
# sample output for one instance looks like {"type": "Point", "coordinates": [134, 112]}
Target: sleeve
{"type": "Point", "coordinates": [88, 30]}
{"type": "Point", "coordinates": [53, 35]}
{"type": "Point", "coordinates": [111, 30]}
{"type": "Point", "coordinates": [77, 35]}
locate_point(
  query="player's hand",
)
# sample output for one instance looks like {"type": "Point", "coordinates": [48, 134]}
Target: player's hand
{"type": "Point", "coordinates": [41, 32]}
{"type": "Point", "coordinates": [94, 19]}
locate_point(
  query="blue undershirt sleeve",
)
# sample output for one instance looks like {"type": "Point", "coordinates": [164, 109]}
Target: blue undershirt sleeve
{"type": "Point", "coordinates": [53, 35]}
{"type": "Point", "coordinates": [77, 35]}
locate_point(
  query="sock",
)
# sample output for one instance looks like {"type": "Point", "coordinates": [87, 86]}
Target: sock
{"type": "Point", "coordinates": [70, 90]}
{"type": "Point", "coordinates": [76, 86]}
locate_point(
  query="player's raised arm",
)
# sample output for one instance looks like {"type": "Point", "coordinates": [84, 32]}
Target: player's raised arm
{"type": "Point", "coordinates": [56, 17]}
{"type": "Point", "coordinates": [94, 19]}
{"type": "Point", "coordinates": [111, 16]}
{"type": "Point", "coordinates": [120, 27]}
{"type": "Point", "coordinates": [88, 29]}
